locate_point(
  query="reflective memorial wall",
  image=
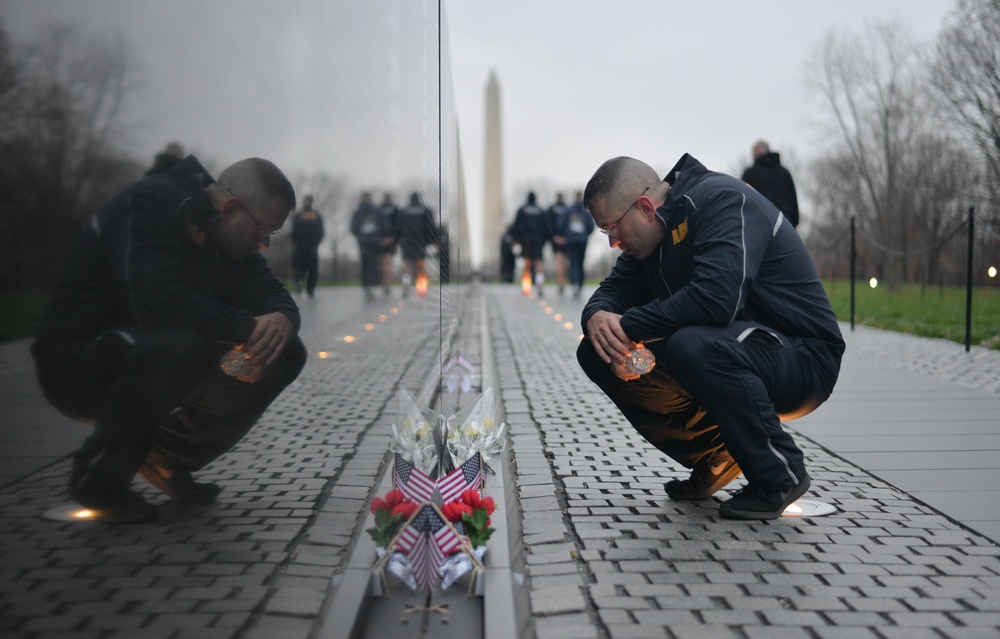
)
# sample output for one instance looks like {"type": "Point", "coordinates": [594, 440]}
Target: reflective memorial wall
{"type": "Point", "coordinates": [346, 97]}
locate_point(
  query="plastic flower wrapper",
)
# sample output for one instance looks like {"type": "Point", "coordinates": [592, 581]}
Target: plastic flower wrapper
{"type": "Point", "coordinates": [413, 438]}
{"type": "Point", "coordinates": [399, 565]}
{"type": "Point", "coordinates": [457, 565]}
{"type": "Point", "coordinates": [477, 432]}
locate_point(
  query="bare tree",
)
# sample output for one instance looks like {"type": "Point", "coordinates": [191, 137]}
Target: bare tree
{"type": "Point", "coordinates": [965, 75]}
{"type": "Point", "coordinates": [58, 133]}
{"type": "Point", "coordinates": [872, 85]}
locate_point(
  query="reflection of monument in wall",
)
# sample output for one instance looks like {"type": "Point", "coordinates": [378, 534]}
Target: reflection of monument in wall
{"type": "Point", "coordinates": [493, 213]}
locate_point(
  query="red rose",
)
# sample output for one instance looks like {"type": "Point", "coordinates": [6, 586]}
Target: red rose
{"type": "Point", "coordinates": [453, 510]}
{"type": "Point", "coordinates": [406, 509]}
{"type": "Point", "coordinates": [475, 501]}
{"type": "Point", "coordinates": [392, 499]}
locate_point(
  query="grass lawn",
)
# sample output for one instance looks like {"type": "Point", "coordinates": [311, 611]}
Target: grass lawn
{"type": "Point", "coordinates": [933, 312]}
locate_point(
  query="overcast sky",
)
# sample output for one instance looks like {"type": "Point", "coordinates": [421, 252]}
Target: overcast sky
{"type": "Point", "coordinates": [581, 80]}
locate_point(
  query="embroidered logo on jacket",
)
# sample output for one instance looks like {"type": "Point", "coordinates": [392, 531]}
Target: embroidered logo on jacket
{"type": "Point", "coordinates": [680, 232]}
{"type": "Point", "coordinates": [196, 234]}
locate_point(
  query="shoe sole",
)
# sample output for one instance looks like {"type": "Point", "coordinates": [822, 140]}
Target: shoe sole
{"type": "Point", "coordinates": [727, 477]}
{"type": "Point", "coordinates": [728, 512]}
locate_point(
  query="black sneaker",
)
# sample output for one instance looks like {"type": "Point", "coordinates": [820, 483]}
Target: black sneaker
{"type": "Point", "coordinates": [115, 507]}
{"type": "Point", "coordinates": [706, 479]}
{"type": "Point", "coordinates": [750, 502]}
{"type": "Point", "coordinates": [179, 484]}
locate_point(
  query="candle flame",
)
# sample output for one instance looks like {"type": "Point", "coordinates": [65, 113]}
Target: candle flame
{"type": "Point", "coordinates": [422, 285]}
{"type": "Point", "coordinates": [526, 283]}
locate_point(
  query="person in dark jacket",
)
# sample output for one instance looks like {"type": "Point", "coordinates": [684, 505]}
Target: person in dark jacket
{"type": "Point", "coordinates": [507, 256]}
{"type": "Point", "coordinates": [531, 231]}
{"type": "Point", "coordinates": [553, 217]}
{"type": "Point", "coordinates": [575, 226]}
{"type": "Point", "coordinates": [417, 230]}
{"type": "Point", "coordinates": [165, 279]}
{"type": "Point", "coordinates": [166, 159]}
{"type": "Point", "coordinates": [367, 228]}
{"type": "Point", "coordinates": [715, 282]}
{"type": "Point", "coordinates": [389, 213]}
{"type": "Point", "coordinates": [773, 181]}
{"type": "Point", "coordinates": [307, 233]}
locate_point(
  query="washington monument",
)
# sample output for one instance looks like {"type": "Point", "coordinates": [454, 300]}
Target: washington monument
{"type": "Point", "coordinates": [493, 210]}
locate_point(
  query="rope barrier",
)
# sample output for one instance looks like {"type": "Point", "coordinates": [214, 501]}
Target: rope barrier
{"type": "Point", "coordinates": [917, 252]}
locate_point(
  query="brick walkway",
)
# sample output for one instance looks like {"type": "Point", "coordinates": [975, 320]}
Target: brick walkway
{"type": "Point", "coordinates": [605, 553]}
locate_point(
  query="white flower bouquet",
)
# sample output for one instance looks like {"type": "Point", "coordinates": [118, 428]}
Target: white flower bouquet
{"type": "Point", "coordinates": [476, 432]}
{"type": "Point", "coordinates": [414, 437]}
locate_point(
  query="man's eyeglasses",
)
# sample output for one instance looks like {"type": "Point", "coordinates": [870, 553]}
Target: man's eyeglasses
{"type": "Point", "coordinates": [268, 231]}
{"type": "Point", "coordinates": [611, 230]}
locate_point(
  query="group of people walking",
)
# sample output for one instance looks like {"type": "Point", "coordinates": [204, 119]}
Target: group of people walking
{"type": "Point", "coordinates": [566, 228]}
{"type": "Point", "coordinates": [381, 228]}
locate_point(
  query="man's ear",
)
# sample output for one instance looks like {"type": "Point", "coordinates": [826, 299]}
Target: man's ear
{"type": "Point", "coordinates": [230, 207]}
{"type": "Point", "coordinates": [647, 207]}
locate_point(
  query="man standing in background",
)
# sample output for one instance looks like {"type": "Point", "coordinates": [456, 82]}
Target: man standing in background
{"type": "Point", "coordinates": [307, 233]}
{"type": "Point", "coordinates": [773, 181]}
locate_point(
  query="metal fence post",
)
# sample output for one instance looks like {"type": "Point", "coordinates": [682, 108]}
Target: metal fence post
{"type": "Point", "coordinates": [853, 256]}
{"type": "Point", "coordinates": [968, 281]}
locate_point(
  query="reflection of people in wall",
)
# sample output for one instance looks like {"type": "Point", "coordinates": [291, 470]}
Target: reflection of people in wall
{"type": "Point", "coordinates": [365, 226]}
{"type": "Point", "coordinates": [166, 159]}
{"type": "Point", "coordinates": [389, 214]}
{"type": "Point", "coordinates": [164, 281]}
{"type": "Point", "coordinates": [417, 230]}
{"type": "Point", "coordinates": [307, 233]}
{"type": "Point", "coordinates": [773, 181]}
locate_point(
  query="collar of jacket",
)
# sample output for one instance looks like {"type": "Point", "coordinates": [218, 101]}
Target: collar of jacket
{"type": "Point", "coordinates": [197, 209]}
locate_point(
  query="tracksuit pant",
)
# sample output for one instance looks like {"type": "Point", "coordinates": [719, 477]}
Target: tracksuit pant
{"type": "Point", "coordinates": [719, 391]}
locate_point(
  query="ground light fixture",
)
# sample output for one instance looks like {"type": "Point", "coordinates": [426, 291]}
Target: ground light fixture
{"type": "Point", "coordinates": [69, 512]}
{"type": "Point", "coordinates": [809, 508]}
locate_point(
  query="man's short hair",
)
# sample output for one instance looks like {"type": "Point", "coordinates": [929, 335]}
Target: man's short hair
{"type": "Point", "coordinates": [260, 183]}
{"type": "Point", "coordinates": [619, 180]}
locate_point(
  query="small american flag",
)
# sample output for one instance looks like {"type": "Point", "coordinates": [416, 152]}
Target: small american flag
{"type": "Point", "coordinates": [468, 475]}
{"type": "Point", "coordinates": [416, 484]}
{"type": "Point", "coordinates": [426, 540]}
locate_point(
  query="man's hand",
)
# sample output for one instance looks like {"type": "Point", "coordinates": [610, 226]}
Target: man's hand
{"type": "Point", "coordinates": [269, 338]}
{"type": "Point", "coordinates": [610, 341]}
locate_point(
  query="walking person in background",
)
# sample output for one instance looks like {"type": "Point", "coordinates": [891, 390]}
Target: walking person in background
{"type": "Point", "coordinates": [166, 159]}
{"type": "Point", "coordinates": [366, 226]}
{"type": "Point", "coordinates": [773, 181]}
{"type": "Point", "coordinates": [307, 233]}
{"type": "Point", "coordinates": [389, 214]}
{"type": "Point", "coordinates": [531, 231]}
{"type": "Point", "coordinates": [575, 226]}
{"type": "Point", "coordinates": [716, 283]}
{"type": "Point", "coordinates": [552, 217]}
{"type": "Point", "coordinates": [417, 230]}
{"type": "Point", "coordinates": [164, 281]}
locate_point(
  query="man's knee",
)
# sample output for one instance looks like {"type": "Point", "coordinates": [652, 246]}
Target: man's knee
{"type": "Point", "coordinates": [292, 361]}
{"type": "Point", "coordinates": [590, 361]}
